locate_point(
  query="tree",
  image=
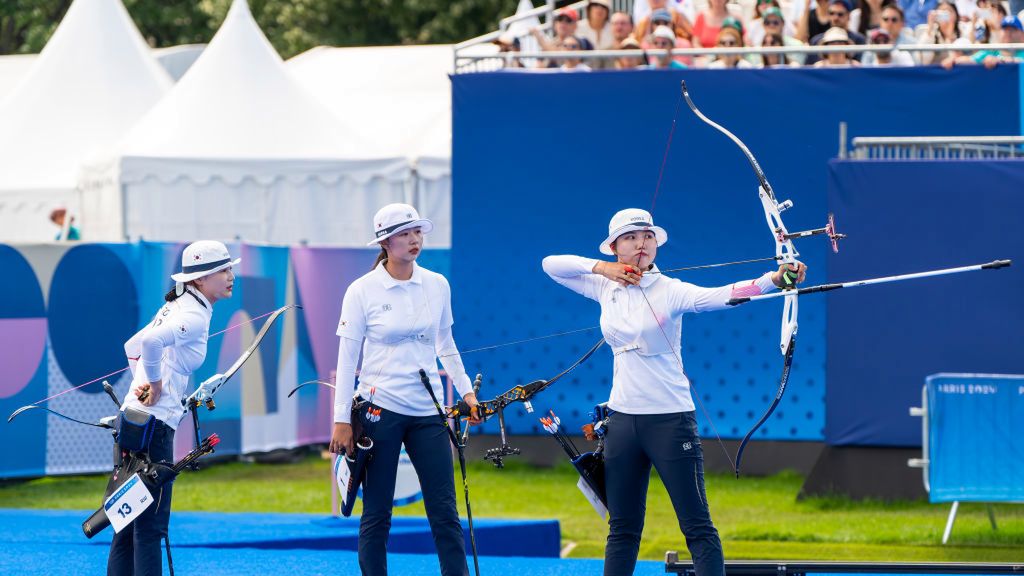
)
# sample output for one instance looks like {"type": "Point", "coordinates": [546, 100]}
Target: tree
{"type": "Point", "coordinates": [292, 26]}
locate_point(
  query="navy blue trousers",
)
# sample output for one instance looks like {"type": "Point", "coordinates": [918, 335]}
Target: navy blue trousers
{"type": "Point", "coordinates": [429, 449]}
{"type": "Point", "coordinates": [669, 442]}
{"type": "Point", "coordinates": [136, 549]}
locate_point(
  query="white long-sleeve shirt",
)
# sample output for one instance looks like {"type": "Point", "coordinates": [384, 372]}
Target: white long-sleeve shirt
{"type": "Point", "coordinates": [401, 327]}
{"type": "Point", "coordinates": [648, 375]}
{"type": "Point", "coordinates": [170, 348]}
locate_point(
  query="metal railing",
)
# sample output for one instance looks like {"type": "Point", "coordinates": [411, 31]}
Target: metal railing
{"type": "Point", "coordinates": [495, 61]}
{"type": "Point", "coordinates": [938, 147]}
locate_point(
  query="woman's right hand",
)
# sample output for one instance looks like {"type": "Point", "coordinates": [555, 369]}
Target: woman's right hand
{"type": "Point", "coordinates": [341, 439]}
{"type": "Point", "coordinates": [623, 274]}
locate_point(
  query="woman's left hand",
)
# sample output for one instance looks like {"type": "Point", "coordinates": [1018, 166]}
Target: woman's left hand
{"type": "Point", "coordinates": [472, 402]}
{"type": "Point", "coordinates": [789, 275]}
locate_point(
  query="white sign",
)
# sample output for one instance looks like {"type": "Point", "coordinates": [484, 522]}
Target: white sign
{"type": "Point", "coordinates": [592, 497]}
{"type": "Point", "coordinates": [342, 472]}
{"type": "Point", "coordinates": [127, 502]}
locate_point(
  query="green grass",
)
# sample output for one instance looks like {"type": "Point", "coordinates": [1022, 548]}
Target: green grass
{"type": "Point", "coordinates": [759, 518]}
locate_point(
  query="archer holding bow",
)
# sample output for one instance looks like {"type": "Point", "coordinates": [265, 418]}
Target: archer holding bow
{"type": "Point", "coordinates": [400, 316]}
{"type": "Point", "coordinates": [653, 414]}
{"type": "Point", "coordinates": [169, 349]}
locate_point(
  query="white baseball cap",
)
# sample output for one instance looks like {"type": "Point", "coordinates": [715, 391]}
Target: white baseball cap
{"type": "Point", "coordinates": [631, 220]}
{"type": "Point", "coordinates": [202, 258]}
{"type": "Point", "coordinates": [395, 218]}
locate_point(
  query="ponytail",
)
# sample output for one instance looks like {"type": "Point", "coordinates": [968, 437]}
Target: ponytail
{"type": "Point", "coordinates": [173, 294]}
{"type": "Point", "coordinates": [383, 256]}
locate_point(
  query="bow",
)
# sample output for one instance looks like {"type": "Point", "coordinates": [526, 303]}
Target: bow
{"type": "Point", "coordinates": [520, 393]}
{"type": "Point", "coordinates": [785, 254]}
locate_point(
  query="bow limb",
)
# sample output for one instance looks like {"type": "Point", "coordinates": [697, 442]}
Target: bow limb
{"type": "Point", "coordinates": [19, 411]}
{"type": "Point", "coordinates": [206, 390]}
{"type": "Point", "coordinates": [311, 383]}
{"type": "Point", "coordinates": [256, 341]}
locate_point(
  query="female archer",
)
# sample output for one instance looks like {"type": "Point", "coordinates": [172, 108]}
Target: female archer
{"type": "Point", "coordinates": [653, 414]}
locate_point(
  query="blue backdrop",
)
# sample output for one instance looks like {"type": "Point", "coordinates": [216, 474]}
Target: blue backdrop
{"type": "Point", "coordinates": [541, 162]}
{"type": "Point", "coordinates": [884, 340]}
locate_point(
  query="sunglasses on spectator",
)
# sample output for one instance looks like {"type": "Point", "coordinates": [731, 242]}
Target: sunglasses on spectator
{"type": "Point", "coordinates": [565, 19]}
{"type": "Point", "coordinates": [890, 19]}
{"type": "Point", "coordinates": [773, 22]}
{"type": "Point", "coordinates": [837, 13]}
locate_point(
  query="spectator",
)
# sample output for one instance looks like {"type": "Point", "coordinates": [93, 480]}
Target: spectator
{"type": "Point", "coordinates": [564, 27]}
{"type": "Point", "coordinates": [664, 38]}
{"type": "Point", "coordinates": [622, 28]}
{"type": "Point", "coordinates": [596, 28]}
{"type": "Point", "coordinates": [867, 16]}
{"type": "Point", "coordinates": [572, 44]}
{"type": "Point", "coordinates": [508, 47]}
{"type": "Point", "coordinates": [755, 28]}
{"type": "Point", "coordinates": [916, 11]}
{"type": "Point", "coordinates": [836, 36]}
{"type": "Point", "coordinates": [943, 28]}
{"type": "Point", "coordinates": [839, 16]}
{"type": "Point", "coordinates": [730, 37]}
{"type": "Point", "coordinates": [772, 39]}
{"type": "Point", "coordinates": [664, 16]}
{"type": "Point", "coordinates": [774, 24]}
{"type": "Point", "coordinates": [630, 62]}
{"type": "Point", "coordinates": [66, 223]}
{"type": "Point", "coordinates": [893, 23]}
{"type": "Point", "coordinates": [815, 20]}
{"type": "Point", "coordinates": [894, 57]}
{"type": "Point", "coordinates": [709, 22]}
{"type": "Point", "coordinates": [1012, 32]}
{"type": "Point", "coordinates": [643, 8]}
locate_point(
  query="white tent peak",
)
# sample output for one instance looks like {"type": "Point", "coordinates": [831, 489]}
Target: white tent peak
{"type": "Point", "coordinates": [239, 102]}
{"type": "Point", "coordinates": [93, 80]}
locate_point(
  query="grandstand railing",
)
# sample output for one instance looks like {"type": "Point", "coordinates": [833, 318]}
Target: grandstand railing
{"type": "Point", "coordinates": [938, 147]}
{"type": "Point", "coordinates": [475, 61]}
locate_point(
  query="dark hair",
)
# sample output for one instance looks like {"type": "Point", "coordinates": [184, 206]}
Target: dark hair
{"type": "Point", "coordinates": [896, 7]}
{"type": "Point", "coordinates": [865, 16]}
{"type": "Point", "coordinates": [956, 16]}
{"type": "Point", "coordinates": [783, 58]}
{"type": "Point", "coordinates": [380, 258]}
{"type": "Point", "coordinates": [173, 295]}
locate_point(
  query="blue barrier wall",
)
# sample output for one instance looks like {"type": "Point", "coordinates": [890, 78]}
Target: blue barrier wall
{"type": "Point", "coordinates": [541, 162]}
{"type": "Point", "coordinates": [976, 437]}
{"type": "Point", "coordinates": [884, 340]}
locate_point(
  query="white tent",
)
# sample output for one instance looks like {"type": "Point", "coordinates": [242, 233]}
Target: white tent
{"type": "Point", "coordinates": [401, 95]}
{"type": "Point", "coordinates": [238, 149]}
{"type": "Point", "coordinates": [94, 79]}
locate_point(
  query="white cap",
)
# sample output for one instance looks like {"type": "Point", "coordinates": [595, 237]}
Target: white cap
{"type": "Point", "coordinates": [664, 32]}
{"type": "Point", "coordinates": [395, 218]}
{"type": "Point", "coordinates": [631, 220]}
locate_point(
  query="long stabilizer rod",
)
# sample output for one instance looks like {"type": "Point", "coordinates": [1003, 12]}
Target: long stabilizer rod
{"type": "Point", "coordinates": [994, 265]}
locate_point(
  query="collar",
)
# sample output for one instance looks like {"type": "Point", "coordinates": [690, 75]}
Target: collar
{"type": "Point", "coordinates": [390, 282]}
{"type": "Point", "coordinates": [200, 299]}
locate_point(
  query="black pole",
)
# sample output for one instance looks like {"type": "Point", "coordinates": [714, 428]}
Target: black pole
{"type": "Point", "coordinates": [462, 464]}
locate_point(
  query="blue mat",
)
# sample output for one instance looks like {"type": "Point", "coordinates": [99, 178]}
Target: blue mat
{"type": "Point", "coordinates": [38, 542]}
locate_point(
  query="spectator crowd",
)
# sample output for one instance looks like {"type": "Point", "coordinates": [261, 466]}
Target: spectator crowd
{"type": "Point", "coordinates": [670, 25]}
